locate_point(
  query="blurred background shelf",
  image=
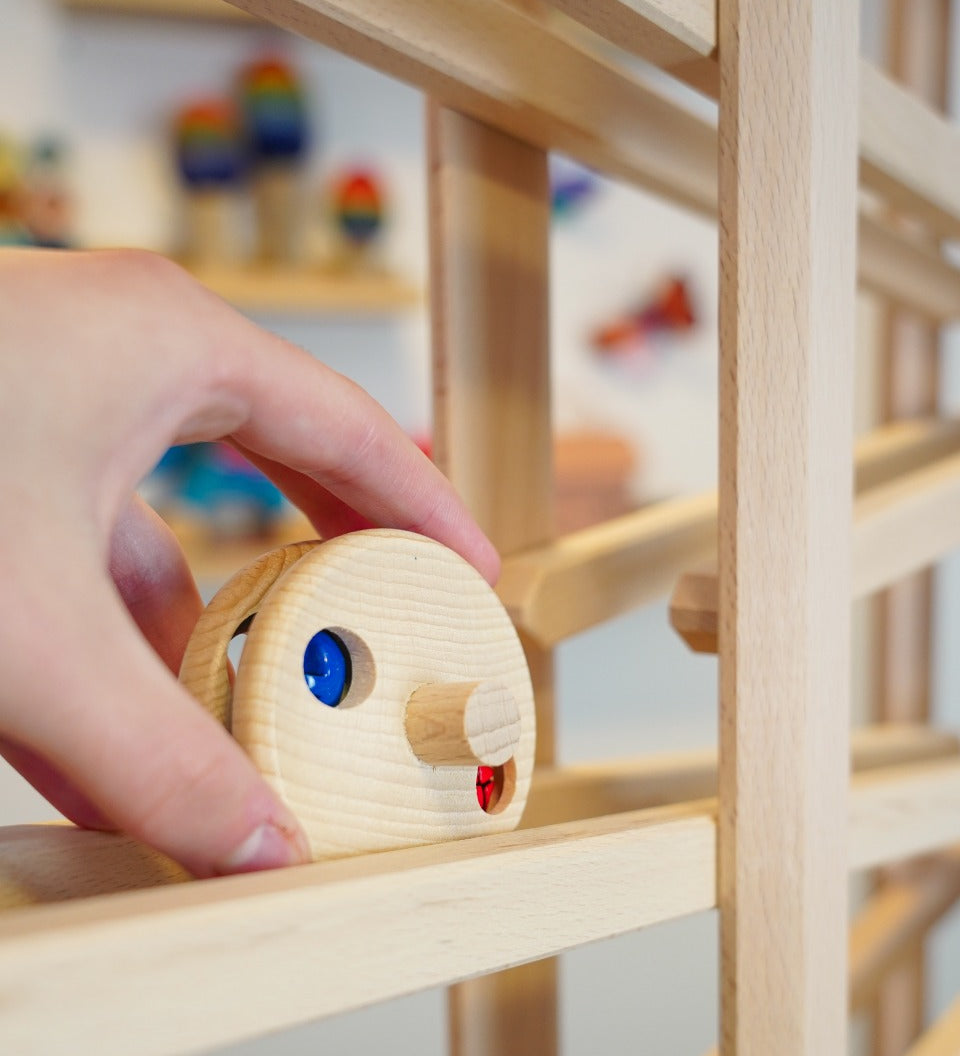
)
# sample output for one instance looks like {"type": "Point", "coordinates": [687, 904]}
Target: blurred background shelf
{"type": "Point", "coordinates": [302, 291]}
{"type": "Point", "coordinates": [208, 9]}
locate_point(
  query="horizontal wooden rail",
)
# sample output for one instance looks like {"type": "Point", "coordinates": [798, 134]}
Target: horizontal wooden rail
{"type": "Point", "coordinates": [896, 128]}
{"type": "Point", "coordinates": [335, 936]}
{"type": "Point", "coordinates": [207, 963]}
{"type": "Point", "coordinates": [906, 271]}
{"type": "Point", "coordinates": [589, 790]}
{"type": "Point", "coordinates": [474, 56]}
{"type": "Point", "coordinates": [592, 575]}
{"type": "Point", "coordinates": [249, 954]}
{"type": "Point", "coordinates": [41, 864]}
{"type": "Point", "coordinates": [899, 527]}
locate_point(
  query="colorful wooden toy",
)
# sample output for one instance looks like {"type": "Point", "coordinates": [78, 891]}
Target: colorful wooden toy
{"type": "Point", "coordinates": [357, 205]}
{"type": "Point", "coordinates": [382, 690]}
{"type": "Point", "coordinates": [210, 158]}
{"type": "Point", "coordinates": [275, 116]}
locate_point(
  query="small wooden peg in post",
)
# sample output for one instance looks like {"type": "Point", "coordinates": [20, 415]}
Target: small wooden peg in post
{"type": "Point", "coordinates": [463, 723]}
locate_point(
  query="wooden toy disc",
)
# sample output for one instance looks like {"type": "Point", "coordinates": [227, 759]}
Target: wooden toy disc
{"type": "Point", "coordinates": [411, 613]}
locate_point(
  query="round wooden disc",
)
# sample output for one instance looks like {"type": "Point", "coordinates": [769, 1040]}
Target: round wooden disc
{"type": "Point", "coordinates": [410, 612]}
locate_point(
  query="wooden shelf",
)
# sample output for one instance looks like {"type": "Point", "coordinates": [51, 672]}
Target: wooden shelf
{"type": "Point", "coordinates": [206, 9]}
{"type": "Point", "coordinates": [304, 291]}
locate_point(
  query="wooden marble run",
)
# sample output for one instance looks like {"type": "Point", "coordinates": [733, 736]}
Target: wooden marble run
{"type": "Point", "coordinates": [767, 829]}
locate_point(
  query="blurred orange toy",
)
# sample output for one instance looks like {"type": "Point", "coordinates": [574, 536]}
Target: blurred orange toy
{"type": "Point", "coordinates": [669, 311]}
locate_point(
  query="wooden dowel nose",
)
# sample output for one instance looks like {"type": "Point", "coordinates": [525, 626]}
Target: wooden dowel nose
{"type": "Point", "coordinates": [463, 723]}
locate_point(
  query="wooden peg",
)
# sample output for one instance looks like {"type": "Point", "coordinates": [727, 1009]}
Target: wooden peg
{"type": "Point", "coordinates": [463, 723]}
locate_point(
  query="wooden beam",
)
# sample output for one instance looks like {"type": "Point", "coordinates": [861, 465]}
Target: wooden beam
{"type": "Point", "coordinates": [338, 935]}
{"type": "Point", "coordinates": [787, 288]}
{"type": "Point", "coordinates": [246, 955]}
{"type": "Point", "coordinates": [590, 576]}
{"type": "Point", "coordinates": [899, 527]}
{"type": "Point", "coordinates": [489, 242]}
{"type": "Point", "coordinates": [43, 864]}
{"type": "Point", "coordinates": [582, 579]}
{"type": "Point", "coordinates": [574, 793]}
{"type": "Point", "coordinates": [473, 56]}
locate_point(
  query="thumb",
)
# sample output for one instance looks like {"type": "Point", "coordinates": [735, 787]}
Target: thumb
{"type": "Point", "coordinates": [108, 715]}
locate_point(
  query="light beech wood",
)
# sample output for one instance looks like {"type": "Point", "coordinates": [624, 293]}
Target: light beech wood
{"type": "Point", "coordinates": [899, 527]}
{"type": "Point", "coordinates": [787, 283]}
{"type": "Point", "coordinates": [573, 793]}
{"type": "Point", "coordinates": [489, 258]}
{"type": "Point", "coordinates": [303, 290]}
{"type": "Point", "coordinates": [51, 863]}
{"type": "Point", "coordinates": [111, 965]}
{"type": "Point", "coordinates": [906, 271]}
{"type": "Point", "coordinates": [474, 56]}
{"type": "Point", "coordinates": [455, 724]}
{"type": "Point", "coordinates": [203, 9]}
{"type": "Point", "coordinates": [592, 575]}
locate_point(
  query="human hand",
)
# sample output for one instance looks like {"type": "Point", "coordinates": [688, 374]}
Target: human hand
{"type": "Point", "coordinates": [106, 359]}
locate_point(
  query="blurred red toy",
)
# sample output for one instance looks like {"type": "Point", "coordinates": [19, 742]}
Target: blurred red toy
{"type": "Point", "coordinates": [670, 311]}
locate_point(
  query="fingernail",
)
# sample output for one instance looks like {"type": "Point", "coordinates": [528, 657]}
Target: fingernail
{"type": "Point", "coordinates": [267, 847]}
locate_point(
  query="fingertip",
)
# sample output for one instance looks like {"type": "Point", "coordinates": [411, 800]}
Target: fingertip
{"type": "Point", "coordinates": [271, 845]}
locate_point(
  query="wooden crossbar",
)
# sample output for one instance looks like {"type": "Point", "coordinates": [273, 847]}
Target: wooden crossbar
{"type": "Point", "coordinates": [42, 864]}
{"type": "Point", "coordinates": [896, 127]}
{"type": "Point", "coordinates": [474, 57]}
{"type": "Point", "coordinates": [899, 527]}
{"type": "Point", "coordinates": [111, 965]}
{"type": "Point", "coordinates": [589, 576]}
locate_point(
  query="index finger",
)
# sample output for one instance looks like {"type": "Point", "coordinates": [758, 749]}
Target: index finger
{"type": "Point", "coordinates": [305, 416]}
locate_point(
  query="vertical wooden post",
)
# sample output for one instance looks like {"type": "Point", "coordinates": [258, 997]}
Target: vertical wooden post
{"type": "Point", "coordinates": [788, 119]}
{"type": "Point", "coordinates": [918, 41]}
{"type": "Point", "coordinates": [489, 238]}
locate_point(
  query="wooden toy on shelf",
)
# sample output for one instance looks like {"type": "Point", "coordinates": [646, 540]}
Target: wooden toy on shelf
{"type": "Point", "coordinates": [275, 118]}
{"type": "Point", "coordinates": [209, 152]}
{"type": "Point", "coordinates": [382, 690]}
{"type": "Point", "coordinates": [357, 205]}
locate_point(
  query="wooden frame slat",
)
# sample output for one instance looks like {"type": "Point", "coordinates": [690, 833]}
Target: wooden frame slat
{"type": "Point", "coordinates": [787, 312]}
{"type": "Point", "coordinates": [204, 964]}
{"type": "Point", "coordinates": [906, 271]}
{"type": "Point", "coordinates": [592, 575]}
{"type": "Point", "coordinates": [474, 56]}
{"type": "Point", "coordinates": [899, 527]}
{"type": "Point", "coordinates": [896, 127]}
{"type": "Point", "coordinates": [42, 864]}
{"type": "Point", "coordinates": [489, 263]}
{"type": "Point", "coordinates": [98, 970]}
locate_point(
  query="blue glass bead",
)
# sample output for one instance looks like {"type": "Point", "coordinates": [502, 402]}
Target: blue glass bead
{"type": "Point", "coordinates": [326, 668]}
